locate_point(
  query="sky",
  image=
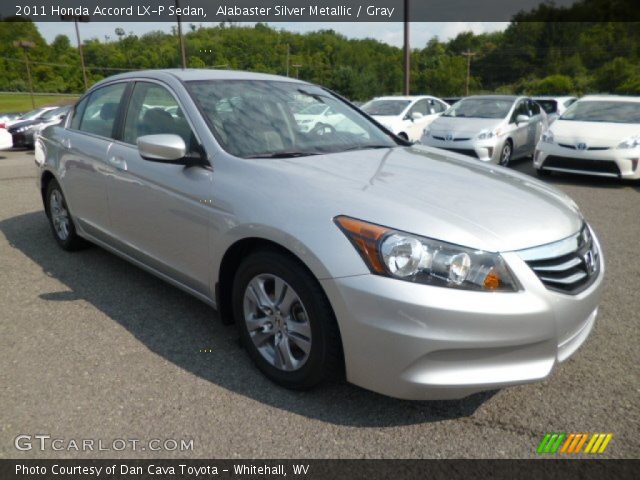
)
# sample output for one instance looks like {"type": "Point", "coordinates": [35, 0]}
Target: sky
{"type": "Point", "coordinates": [391, 33]}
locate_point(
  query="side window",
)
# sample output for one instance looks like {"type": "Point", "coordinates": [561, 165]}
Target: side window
{"type": "Point", "coordinates": [153, 110]}
{"type": "Point", "coordinates": [521, 109]}
{"type": "Point", "coordinates": [570, 102]}
{"type": "Point", "coordinates": [77, 114]}
{"type": "Point", "coordinates": [421, 106]}
{"type": "Point", "coordinates": [100, 112]}
{"type": "Point", "coordinates": [535, 108]}
{"type": "Point", "coordinates": [436, 107]}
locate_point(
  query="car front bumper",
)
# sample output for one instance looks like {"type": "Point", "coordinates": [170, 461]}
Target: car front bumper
{"type": "Point", "coordinates": [487, 150]}
{"type": "Point", "coordinates": [612, 162]}
{"type": "Point", "coordinates": [22, 140]}
{"type": "Point", "coordinates": [420, 342]}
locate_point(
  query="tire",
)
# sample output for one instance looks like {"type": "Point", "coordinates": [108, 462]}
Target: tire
{"type": "Point", "coordinates": [62, 227]}
{"type": "Point", "coordinates": [506, 154]}
{"type": "Point", "coordinates": [403, 136]}
{"type": "Point", "coordinates": [292, 325]}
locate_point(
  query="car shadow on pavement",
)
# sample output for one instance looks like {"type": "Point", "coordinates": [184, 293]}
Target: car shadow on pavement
{"type": "Point", "coordinates": [188, 333]}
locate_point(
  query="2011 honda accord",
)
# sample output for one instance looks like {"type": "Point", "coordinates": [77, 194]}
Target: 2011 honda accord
{"type": "Point", "coordinates": [419, 273]}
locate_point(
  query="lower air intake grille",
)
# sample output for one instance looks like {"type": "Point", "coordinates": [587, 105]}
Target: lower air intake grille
{"type": "Point", "coordinates": [463, 151]}
{"type": "Point", "coordinates": [568, 266]}
{"type": "Point", "coordinates": [596, 166]}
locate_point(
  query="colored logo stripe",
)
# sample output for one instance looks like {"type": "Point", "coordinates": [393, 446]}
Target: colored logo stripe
{"type": "Point", "coordinates": [574, 442]}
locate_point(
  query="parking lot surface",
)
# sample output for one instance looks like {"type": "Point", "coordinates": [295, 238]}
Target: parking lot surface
{"type": "Point", "coordinates": [95, 348]}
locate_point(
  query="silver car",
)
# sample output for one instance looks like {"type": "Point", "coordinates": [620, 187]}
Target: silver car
{"type": "Point", "coordinates": [339, 250]}
{"type": "Point", "coordinates": [492, 128]}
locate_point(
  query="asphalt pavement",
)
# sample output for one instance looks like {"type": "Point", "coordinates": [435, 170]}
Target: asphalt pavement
{"type": "Point", "coordinates": [95, 348]}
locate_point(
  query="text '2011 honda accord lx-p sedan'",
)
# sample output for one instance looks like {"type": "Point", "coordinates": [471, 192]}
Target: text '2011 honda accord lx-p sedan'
{"type": "Point", "coordinates": [342, 249]}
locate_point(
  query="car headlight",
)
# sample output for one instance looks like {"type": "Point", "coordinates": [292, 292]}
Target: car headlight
{"type": "Point", "coordinates": [632, 142]}
{"type": "Point", "coordinates": [485, 135]}
{"type": "Point", "coordinates": [547, 137]}
{"type": "Point", "coordinates": [417, 259]}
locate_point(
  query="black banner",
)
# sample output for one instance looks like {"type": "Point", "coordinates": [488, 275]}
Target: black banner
{"type": "Point", "coordinates": [123, 469]}
{"type": "Point", "coordinates": [198, 11]}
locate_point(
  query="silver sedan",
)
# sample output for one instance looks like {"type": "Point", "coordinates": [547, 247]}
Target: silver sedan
{"type": "Point", "coordinates": [491, 128]}
{"type": "Point", "coordinates": [339, 250]}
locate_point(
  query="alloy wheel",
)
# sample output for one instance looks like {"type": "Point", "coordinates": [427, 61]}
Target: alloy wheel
{"type": "Point", "coordinates": [277, 322]}
{"type": "Point", "coordinates": [59, 215]}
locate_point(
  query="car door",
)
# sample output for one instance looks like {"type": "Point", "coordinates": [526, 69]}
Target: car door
{"type": "Point", "coordinates": [520, 132]}
{"type": "Point", "coordinates": [536, 125]}
{"type": "Point", "coordinates": [87, 142]}
{"type": "Point", "coordinates": [415, 127]}
{"type": "Point", "coordinates": [160, 211]}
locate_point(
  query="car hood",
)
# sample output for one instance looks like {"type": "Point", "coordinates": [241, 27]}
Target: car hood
{"type": "Point", "coordinates": [428, 192]}
{"type": "Point", "coordinates": [594, 134]}
{"type": "Point", "coordinates": [471, 126]}
{"type": "Point", "coordinates": [24, 123]}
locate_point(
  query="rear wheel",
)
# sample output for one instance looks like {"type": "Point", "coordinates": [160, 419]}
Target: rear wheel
{"type": "Point", "coordinates": [285, 321]}
{"type": "Point", "coordinates": [64, 231]}
{"type": "Point", "coordinates": [403, 136]}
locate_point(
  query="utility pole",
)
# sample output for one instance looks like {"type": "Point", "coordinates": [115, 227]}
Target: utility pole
{"type": "Point", "coordinates": [288, 55]}
{"type": "Point", "coordinates": [297, 67]}
{"type": "Point", "coordinates": [468, 54]}
{"type": "Point", "coordinates": [183, 52]}
{"type": "Point", "coordinates": [24, 45]}
{"type": "Point", "coordinates": [407, 50]}
{"type": "Point", "coordinates": [76, 19]}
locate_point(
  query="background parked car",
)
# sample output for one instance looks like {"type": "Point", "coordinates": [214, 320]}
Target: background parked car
{"type": "Point", "coordinates": [597, 135]}
{"type": "Point", "coordinates": [23, 132]}
{"type": "Point", "coordinates": [554, 106]}
{"type": "Point", "coordinates": [452, 100]}
{"type": "Point", "coordinates": [7, 119]}
{"type": "Point", "coordinates": [317, 116]}
{"type": "Point", "coordinates": [492, 128]}
{"type": "Point", "coordinates": [407, 117]}
{"type": "Point", "coordinates": [5, 139]}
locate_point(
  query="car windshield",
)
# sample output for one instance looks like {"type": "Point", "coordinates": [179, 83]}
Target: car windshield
{"type": "Point", "coordinates": [316, 109]}
{"type": "Point", "coordinates": [603, 111]}
{"type": "Point", "coordinates": [385, 107]}
{"type": "Point", "coordinates": [480, 108]}
{"type": "Point", "coordinates": [54, 113]}
{"type": "Point", "coordinates": [549, 106]}
{"type": "Point", "coordinates": [33, 114]}
{"type": "Point", "coordinates": [255, 119]}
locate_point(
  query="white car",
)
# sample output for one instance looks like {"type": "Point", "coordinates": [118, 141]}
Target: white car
{"type": "Point", "coordinates": [597, 135]}
{"type": "Point", "coordinates": [554, 106]}
{"type": "Point", "coordinates": [317, 116]}
{"type": "Point", "coordinates": [406, 117]}
{"type": "Point", "coordinates": [6, 141]}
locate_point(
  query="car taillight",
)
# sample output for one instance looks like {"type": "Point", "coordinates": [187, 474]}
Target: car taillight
{"type": "Point", "coordinates": [2, 125]}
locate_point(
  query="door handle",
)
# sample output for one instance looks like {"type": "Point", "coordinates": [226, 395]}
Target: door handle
{"type": "Point", "coordinates": [118, 162]}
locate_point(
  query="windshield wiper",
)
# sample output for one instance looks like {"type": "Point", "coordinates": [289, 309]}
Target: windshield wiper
{"type": "Point", "coordinates": [366, 147]}
{"type": "Point", "coordinates": [288, 154]}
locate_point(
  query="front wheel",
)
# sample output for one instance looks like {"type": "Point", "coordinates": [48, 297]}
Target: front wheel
{"type": "Point", "coordinates": [285, 321]}
{"type": "Point", "coordinates": [505, 154]}
{"type": "Point", "coordinates": [64, 231]}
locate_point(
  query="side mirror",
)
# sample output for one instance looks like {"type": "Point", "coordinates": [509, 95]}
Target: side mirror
{"type": "Point", "coordinates": [165, 147]}
{"type": "Point", "coordinates": [416, 116]}
{"type": "Point", "coordinates": [522, 119]}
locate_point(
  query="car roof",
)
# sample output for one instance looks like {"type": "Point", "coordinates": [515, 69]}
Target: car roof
{"type": "Point", "coordinates": [611, 98]}
{"type": "Point", "coordinates": [404, 97]}
{"type": "Point", "coordinates": [195, 74]}
{"type": "Point", "coordinates": [511, 98]}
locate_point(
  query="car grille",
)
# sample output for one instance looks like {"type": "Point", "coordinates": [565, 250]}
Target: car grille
{"type": "Point", "coordinates": [451, 139]}
{"type": "Point", "coordinates": [595, 166]}
{"type": "Point", "coordinates": [568, 266]}
{"type": "Point", "coordinates": [575, 147]}
{"type": "Point", "coordinates": [463, 151]}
